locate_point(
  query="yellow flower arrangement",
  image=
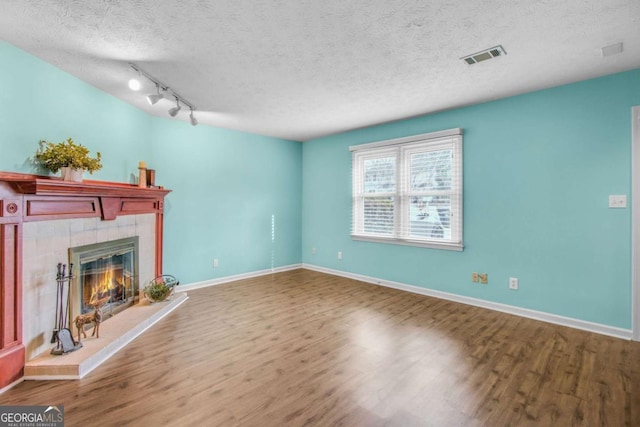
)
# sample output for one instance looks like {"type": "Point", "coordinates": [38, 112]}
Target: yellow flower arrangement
{"type": "Point", "coordinates": [54, 156]}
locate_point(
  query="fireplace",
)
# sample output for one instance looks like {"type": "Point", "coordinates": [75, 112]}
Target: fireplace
{"type": "Point", "coordinates": [40, 218]}
{"type": "Point", "coordinates": [105, 274]}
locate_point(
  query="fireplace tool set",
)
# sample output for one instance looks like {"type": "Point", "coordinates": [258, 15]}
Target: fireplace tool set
{"type": "Point", "coordinates": [61, 334]}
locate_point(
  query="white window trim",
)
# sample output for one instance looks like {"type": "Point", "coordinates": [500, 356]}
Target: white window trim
{"type": "Point", "coordinates": [456, 202]}
{"type": "Point", "coordinates": [407, 139]}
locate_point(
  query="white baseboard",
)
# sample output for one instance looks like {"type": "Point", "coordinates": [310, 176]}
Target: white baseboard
{"type": "Point", "coordinates": [598, 328]}
{"type": "Point", "coordinates": [227, 279]}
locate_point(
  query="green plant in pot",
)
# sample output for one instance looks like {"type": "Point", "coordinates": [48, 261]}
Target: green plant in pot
{"type": "Point", "coordinates": [68, 157]}
{"type": "Point", "coordinates": [161, 288]}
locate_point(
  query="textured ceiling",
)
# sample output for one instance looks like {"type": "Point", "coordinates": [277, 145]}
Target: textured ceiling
{"type": "Point", "coordinates": [303, 69]}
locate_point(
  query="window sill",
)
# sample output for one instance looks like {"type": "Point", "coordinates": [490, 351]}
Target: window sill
{"type": "Point", "coordinates": [459, 247]}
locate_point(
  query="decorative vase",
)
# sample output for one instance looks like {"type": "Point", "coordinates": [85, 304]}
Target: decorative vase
{"type": "Point", "coordinates": [70, 174]}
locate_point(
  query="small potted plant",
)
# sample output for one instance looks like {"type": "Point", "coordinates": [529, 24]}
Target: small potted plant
{"type": "Point", "coordinates": [161, 288]}
{"type": "Point", "coordinates": [68, 157]}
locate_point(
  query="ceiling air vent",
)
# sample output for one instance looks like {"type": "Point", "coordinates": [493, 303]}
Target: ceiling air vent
{"type": "Point", "coordinates": [483, 55]}
{"type": "Point", "coordinates": [613, 49]}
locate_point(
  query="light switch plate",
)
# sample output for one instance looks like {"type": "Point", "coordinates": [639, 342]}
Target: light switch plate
{"type": "Point", "coordinates": [618, 201]}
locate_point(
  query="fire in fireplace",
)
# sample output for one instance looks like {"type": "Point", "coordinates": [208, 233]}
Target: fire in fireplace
{"type": "Point", "coordinates": [106, 275]}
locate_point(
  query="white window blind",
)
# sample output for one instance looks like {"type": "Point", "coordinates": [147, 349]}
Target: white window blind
{"type": "Point", "coordinates": [409, 190]}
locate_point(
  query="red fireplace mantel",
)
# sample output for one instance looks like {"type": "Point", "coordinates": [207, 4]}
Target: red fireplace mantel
{"type": "Point", "coordinates": [26, 198]}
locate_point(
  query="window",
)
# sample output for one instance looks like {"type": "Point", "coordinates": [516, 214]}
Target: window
{"type": "Point", "coordinates": [409, 190]}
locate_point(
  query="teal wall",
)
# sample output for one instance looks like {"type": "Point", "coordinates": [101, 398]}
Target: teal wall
{"type": "Point", "coordinates": [235, 197]}
{"type": "Point", "coordinates": [538, 169]}
{"type": "Point", "coordinates": [39, 101]}
{"type": "Point", "coordinates": [226, 185]}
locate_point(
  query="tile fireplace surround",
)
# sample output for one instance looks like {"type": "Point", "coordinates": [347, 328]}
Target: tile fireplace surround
{"type": "Point", "coordinates": [45, 243]}
{"type": "Point", "coordinates": [40, 219]}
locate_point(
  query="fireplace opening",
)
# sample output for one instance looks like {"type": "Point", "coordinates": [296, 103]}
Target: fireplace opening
{"type": "Point", "coordinates": [106, 274]}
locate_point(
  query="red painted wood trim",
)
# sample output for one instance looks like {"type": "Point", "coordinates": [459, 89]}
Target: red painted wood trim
{"type": "Point", "coordinates": [11, 364]}
{"type": "Point", "coordinates": [134, 206]}
{"type": "Point", "coordinates": [9, 333]}
{"type": "Point", "coordinates": [65, 206]}
{"type": "Point", "coordinates": [11, 347]}
{"type": "Point", "coordinates": [48, 185]}
{"type": "Point", "coordinates": [110, 207]}
{"type": "Point", "coordinates": [159, 241]}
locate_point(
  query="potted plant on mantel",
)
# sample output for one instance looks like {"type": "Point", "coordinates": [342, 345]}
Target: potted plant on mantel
{"type": "Point", "coordinates": [69, 158]}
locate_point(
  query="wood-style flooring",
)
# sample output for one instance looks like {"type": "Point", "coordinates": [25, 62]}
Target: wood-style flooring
{"type": "Point", "coordinates": [306, 348]}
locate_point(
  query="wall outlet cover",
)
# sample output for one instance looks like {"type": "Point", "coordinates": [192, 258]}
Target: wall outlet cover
{"type": "Point", "coordinates": [618, 201]}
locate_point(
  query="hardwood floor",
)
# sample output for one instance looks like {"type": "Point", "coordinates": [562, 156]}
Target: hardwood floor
{"type": "Point", "coordinates": [306, 348]}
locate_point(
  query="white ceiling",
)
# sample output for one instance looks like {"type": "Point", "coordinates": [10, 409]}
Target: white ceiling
{"type": "Point", "coordinates": [303, 69]}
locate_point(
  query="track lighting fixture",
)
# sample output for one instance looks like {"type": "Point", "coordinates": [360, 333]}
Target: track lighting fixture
{"type": "Point", "coordinates": [193, 119]}
{"type": "Point", "coordinates": [161, 89]}
{"type": "Point", "coordinates": [173, 111]}
{"type": "Point", "coordinates": [155, 97]}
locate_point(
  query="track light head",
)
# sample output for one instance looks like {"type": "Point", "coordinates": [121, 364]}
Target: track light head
{"type": "Point", "coordinates": [174, 111]}
{"type": "Point", "coordinates": [193, 119]}
{"type": "Point", "coordinates": [155, 97]}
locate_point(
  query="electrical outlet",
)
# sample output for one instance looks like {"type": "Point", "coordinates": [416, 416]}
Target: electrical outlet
{"type": "Point", "coordinates": [484, 278]}
{"type": "Point", "coordinates": [215, 262]}
{"type": "Point", "coordinates": [618, 201]}
{"type": "Point", "coordinates": [474, 277]}
{"type": "Point", "coordinates": [513, 283]}
{"type": "Point", "coordinates": [339, 255]}
{"type": "Point", "coordinates": [313, 251]}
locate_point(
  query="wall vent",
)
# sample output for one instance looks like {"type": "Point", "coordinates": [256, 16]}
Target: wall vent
{"type": "Point", "coordinates": [483, 55]}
